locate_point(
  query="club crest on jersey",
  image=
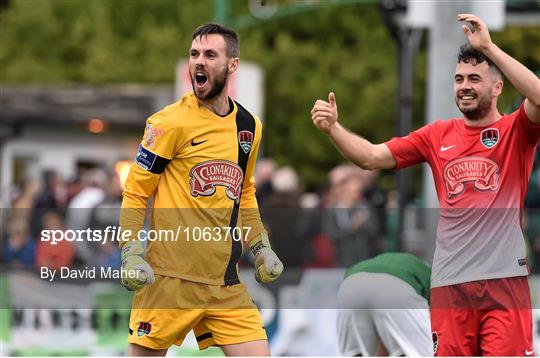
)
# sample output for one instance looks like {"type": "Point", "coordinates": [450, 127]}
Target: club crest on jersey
{"type": "Point", "coordinates": [205, 176]}
{"type": "Point", "coordinates": [435, 337]}
{"type": "Point", "coordinates": [481, 172]}
{"type": "Point", "coordinates": [489, 137]}
{"type": "Point", "coordinates": [144, 328]}
{"type": "Point", "coordinates": [152, 133]}
{"type": "Point", "coordinates": [245, 139]}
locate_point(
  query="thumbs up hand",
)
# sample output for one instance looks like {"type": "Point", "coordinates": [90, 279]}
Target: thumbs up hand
{"type": "Point", "coordinates": [325, 114]}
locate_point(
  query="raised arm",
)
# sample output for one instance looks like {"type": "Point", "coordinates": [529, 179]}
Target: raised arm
{"type": "Point", "coordinates": [353, 147]}
{"type": "Point", "coordinates": [523, 79]}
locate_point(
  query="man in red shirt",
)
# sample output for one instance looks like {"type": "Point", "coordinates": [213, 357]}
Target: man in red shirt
{"type": "Point", "coordinates": [481, 164]}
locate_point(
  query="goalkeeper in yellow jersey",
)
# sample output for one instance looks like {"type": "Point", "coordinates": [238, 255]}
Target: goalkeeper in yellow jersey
{"type": "Point", "coordinates": [197, 159]}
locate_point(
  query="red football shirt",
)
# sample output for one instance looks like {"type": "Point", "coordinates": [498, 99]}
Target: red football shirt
{"type": "Point", "coordinates": [481, 175]}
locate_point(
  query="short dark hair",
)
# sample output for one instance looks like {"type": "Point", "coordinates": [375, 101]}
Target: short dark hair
{"type": "Point", "coordinates": [468, 54]}
{"type": "Point", "coordinates": [229, 35]}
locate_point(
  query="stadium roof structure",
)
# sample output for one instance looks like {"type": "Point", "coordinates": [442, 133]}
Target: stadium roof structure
{"type": "Point", "coordinates": [122, 106]}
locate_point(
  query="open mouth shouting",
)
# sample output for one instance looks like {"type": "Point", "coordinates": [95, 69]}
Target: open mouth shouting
{"type": "Point", "coordinates": [205, 86]}
{"type": "Point", "coordinates": [201, 78]}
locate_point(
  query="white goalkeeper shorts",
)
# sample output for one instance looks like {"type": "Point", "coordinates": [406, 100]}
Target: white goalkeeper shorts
{"type": "Point", "coordinates": [378, 308]}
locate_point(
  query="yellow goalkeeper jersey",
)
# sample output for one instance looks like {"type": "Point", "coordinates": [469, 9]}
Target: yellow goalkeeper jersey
{"type": "Point", "coordinates": [200, 168]}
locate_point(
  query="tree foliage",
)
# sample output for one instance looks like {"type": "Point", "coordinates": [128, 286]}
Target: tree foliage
{"type": "Point", "coordinates": [345, 48]}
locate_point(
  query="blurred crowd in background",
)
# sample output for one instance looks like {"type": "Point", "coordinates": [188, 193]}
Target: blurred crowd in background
{"type": "Point", "coordinates": [350, 218]}
{"type": "Point", "coordinates": [55, 203]}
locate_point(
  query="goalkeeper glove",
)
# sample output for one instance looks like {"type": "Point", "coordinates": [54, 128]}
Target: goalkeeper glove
{"type": "Point", "coordinates": [136, 272]}
{"type": "Point", "coordinates": [268, 265]}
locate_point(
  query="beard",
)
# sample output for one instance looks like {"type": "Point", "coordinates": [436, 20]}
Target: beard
{"type": "Point", "coordinates": [479, 111]}
{"type": "Point", "coordinates": [216, 87]}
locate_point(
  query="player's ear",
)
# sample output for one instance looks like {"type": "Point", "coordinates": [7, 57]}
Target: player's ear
{"type": "Point", "coordinates": [233, 64]}
{"type": "Point", "coordinates": [497, 88]}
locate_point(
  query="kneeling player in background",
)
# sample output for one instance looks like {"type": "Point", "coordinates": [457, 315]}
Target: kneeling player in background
{"type": "Point", "coordinates": [384, 307]}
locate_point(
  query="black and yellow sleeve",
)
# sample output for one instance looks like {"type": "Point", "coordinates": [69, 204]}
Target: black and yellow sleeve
{"type": "Point", "coordinates": [158, 147]}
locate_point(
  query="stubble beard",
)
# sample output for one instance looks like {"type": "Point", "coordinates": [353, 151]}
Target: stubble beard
{"type": "Point", "coordinates": [480, 111]}
{"type": "Point", "coordinates": [215, 90]}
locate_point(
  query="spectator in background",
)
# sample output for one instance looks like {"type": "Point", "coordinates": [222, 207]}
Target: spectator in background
{"type": "Point", "coordinates": [61, 254]}
{"type": "Point", "coordinates": [107, 212]}
{"type": "Point", "coordinates": [320, 251]}
{"type": "Point", "coordinates": [23, 199]}
{"type": "Point", "coordinates": [80, 208]}
{"type": "Point", "coordinates": [18, 250]}
{"type": "Point", "coordinates": [264, 172]}
{"type": "Point", "coordinates": [53, 195]}
{"type": "Point", "coordinates": [94, 182]}
{"type": "Point", "coordinates": [392, 217]}
{"type": "Point", "coordinates": [349, 220]}
{"type": "Point", "coordinates": [280, 216]}
{"type": "Point", "coordinates": [376, 196]}
{"type": "Point", "coordinates": [74, 186]}
{"type": "Point", "coordinates": [336, 176]}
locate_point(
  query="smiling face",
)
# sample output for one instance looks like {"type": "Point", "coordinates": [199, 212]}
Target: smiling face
{"type": "Point", "coordinates": [210, 66]}
{"type": "Point", "coordinates": [476, 89]}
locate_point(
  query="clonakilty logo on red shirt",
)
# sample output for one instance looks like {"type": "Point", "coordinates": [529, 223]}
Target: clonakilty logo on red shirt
{"type": "Point", "coordinates": [481, 172]}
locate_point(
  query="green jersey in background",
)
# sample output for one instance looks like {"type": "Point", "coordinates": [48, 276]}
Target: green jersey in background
{"type": "Point", "coordinates": [406, 267]}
